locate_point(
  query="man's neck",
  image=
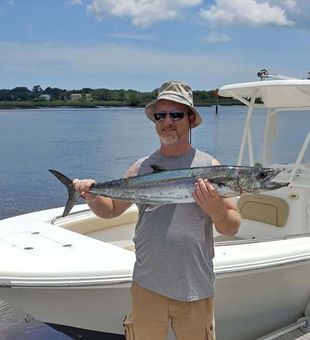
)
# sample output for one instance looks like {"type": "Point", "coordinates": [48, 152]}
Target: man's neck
{"type": "Point", "coordinates": [174, 149]}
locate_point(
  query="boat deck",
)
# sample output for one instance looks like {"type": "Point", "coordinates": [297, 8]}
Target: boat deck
{"type": "Point", "coordinates": [298, 330]}
{"type": "Point", "coordinates": [295, 335]}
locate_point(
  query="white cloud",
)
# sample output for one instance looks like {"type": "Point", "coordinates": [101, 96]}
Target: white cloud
{"type": "Point", "coordinates": [291, 4]}
{"type": "Point", "coordinates": [143, 13]}
{"type": "Point", "coordinates": [247, 12]}
{"type": "Point", "coordinates": [293, 7]}
{"type": "Point", "coordinates": [215, 37]}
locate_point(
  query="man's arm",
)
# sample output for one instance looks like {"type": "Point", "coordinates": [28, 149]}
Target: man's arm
{"type": "Point", "coordinates": [103, 206]}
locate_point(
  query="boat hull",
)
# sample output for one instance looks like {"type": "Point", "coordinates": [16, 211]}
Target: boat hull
{"type": "Point", "coordinates": [248, 304]}
{"type": "Point", "coordinates": [262, 283]}
{"type": "Point", "coordinates": [93, 308]}
{"type": "Point", "coordinates": [256, 303]}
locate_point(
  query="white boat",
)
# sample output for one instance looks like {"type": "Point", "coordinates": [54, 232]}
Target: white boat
{"type": "Point", "coordinates": [76, 271]}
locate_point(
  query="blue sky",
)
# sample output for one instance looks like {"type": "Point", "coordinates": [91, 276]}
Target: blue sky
{"type": "Point", "coordinates": [139, 44]}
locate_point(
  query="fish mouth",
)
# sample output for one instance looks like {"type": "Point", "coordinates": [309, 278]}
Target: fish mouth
{"type": "Point", "coordinates": [275, 185]}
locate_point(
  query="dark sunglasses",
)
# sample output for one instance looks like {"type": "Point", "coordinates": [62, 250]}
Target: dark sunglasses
{"type": "Point", "coordinates": [176, 115]}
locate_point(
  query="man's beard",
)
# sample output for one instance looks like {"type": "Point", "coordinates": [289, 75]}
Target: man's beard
{"type": "Point", "coordinates": [168, 139]}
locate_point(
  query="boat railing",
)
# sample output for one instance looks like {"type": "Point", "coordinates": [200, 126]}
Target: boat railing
{"type": "Point", "coordinates": [61, 219]}
{"type": "Point", "coordinates": [300, 157]}
{"type": "Point", "coordinates": [269, 134]}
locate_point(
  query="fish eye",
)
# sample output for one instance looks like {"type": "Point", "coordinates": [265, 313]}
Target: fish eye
{"type": "Point", "coordinates": [262, 175]}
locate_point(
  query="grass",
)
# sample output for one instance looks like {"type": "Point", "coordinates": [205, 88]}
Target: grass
{"type": "Point", "coordinates": [93, 104]}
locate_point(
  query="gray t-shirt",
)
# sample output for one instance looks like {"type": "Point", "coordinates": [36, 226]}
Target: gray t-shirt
{"type": "Point", "coordinates": [174, 243]}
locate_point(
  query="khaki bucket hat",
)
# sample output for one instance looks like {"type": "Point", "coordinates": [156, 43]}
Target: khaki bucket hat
{"type": "Point", "coordinates": [175, 91]}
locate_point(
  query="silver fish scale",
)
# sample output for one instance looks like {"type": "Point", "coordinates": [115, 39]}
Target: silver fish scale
{"type": "Point", "coordinates": [163, 192]}
{"type": "Point", "coordinates": [177, 186]}
{"type": "Point", "coordinates": [208, 172]}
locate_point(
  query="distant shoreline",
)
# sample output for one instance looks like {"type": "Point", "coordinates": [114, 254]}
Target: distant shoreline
{"type": "Point", "coordinates": [92, 105]}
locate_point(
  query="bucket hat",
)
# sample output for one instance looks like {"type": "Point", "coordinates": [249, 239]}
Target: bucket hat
{"type": "Point", "coordinates": [175, 91]}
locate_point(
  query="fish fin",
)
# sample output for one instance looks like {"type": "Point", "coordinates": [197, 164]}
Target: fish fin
{"type": "Point", "coordinates": [218, 181]}
{"type": "Point", "coordinates": [157, 168]}
{"type": "Point", "coordinates": [153, 207]}
{"type": "Point", "coordinates": [73, 195]}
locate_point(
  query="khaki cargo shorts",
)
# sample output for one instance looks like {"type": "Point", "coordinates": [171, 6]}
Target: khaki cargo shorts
{"type": "Point", "coordinates": [153, 313]}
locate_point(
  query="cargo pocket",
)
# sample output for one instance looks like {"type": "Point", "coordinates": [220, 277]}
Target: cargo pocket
{"type": "Point", "coordinates": [128, 327]}
{"type": "Point", "coordinates": [210, 331]}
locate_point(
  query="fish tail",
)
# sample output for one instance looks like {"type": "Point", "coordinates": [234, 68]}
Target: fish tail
{"type": "Point", "coordinates": [73, 195]}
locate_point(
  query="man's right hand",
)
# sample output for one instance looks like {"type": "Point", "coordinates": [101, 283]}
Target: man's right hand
{"type": "Point", "coordinates": [83, 186]}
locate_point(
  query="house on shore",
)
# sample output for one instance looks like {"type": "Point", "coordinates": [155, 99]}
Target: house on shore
{"type": "Point", "coordinates": [46, 97]}
{"type": "Point", "coordinates": [75, 96]}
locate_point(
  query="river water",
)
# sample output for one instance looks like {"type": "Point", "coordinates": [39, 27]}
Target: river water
{"type": "Point", "coordinates": [102, 143]}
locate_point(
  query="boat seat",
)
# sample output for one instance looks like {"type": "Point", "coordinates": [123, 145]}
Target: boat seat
{"type": "Point", "coordinates": [125, 244]}
{"type": "Point", "coordinates": [92, 223]}
{"type": "Point", "coordinates": [264, 208]}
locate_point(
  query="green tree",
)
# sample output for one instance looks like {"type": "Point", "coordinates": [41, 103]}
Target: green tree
{"type": "Point", "coordinates": [56, 93]}
{"type": "Point", "coordinates": [5, 95]}
{"type": "Point", "coordinates": [21, 93]}
{"type": "Point", "coordinates": [37, 90]}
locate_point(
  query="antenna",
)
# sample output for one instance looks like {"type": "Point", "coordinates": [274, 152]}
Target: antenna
{"type": "Point", "coordinates": [265, 75]}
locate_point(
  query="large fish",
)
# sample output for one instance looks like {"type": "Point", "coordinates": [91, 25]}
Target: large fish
{"type": "Point", "coordinates": [176, 186]}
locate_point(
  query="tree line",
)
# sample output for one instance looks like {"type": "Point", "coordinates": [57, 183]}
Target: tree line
{"type": "Point", "coordinates": [102, 95]}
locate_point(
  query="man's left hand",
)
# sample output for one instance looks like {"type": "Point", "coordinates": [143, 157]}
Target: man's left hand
{"type": "Point", "coordinates": [207, 197]}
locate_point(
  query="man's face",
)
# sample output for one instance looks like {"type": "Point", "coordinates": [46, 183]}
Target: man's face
{"type": "Point", "coordinates": [172, 131]}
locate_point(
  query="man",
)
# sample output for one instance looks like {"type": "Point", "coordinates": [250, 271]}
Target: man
{"type": "Point", "coordinates": [173, 279]}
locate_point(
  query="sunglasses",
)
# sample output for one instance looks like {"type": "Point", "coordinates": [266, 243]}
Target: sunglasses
{"type": "Point", "coordinates": [175, 115]}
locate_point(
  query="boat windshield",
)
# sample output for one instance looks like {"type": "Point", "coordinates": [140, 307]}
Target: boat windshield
{"type": "Point", "coordinates": [287, 136]}
{"type": "Point", "coordinates": [274, 136]}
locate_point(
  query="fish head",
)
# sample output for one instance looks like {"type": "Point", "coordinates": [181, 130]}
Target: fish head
{"type": "Point", "coordinates": [259, 179]}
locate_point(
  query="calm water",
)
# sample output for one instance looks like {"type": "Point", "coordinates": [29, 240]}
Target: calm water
{"type": "Point", "coordinates": [102, 144]}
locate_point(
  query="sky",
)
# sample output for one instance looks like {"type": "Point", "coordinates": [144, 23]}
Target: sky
{"type": "Point", "coordinates": [139, 44]}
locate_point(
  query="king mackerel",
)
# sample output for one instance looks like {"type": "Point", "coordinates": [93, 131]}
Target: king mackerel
{"type": "Point", "coordinates": [176, 186]}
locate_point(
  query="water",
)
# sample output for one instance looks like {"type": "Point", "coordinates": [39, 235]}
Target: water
{"type": "Point", "coordinates": [13, 326]}
{"type": "Point", "coordinates": [102, 144]}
